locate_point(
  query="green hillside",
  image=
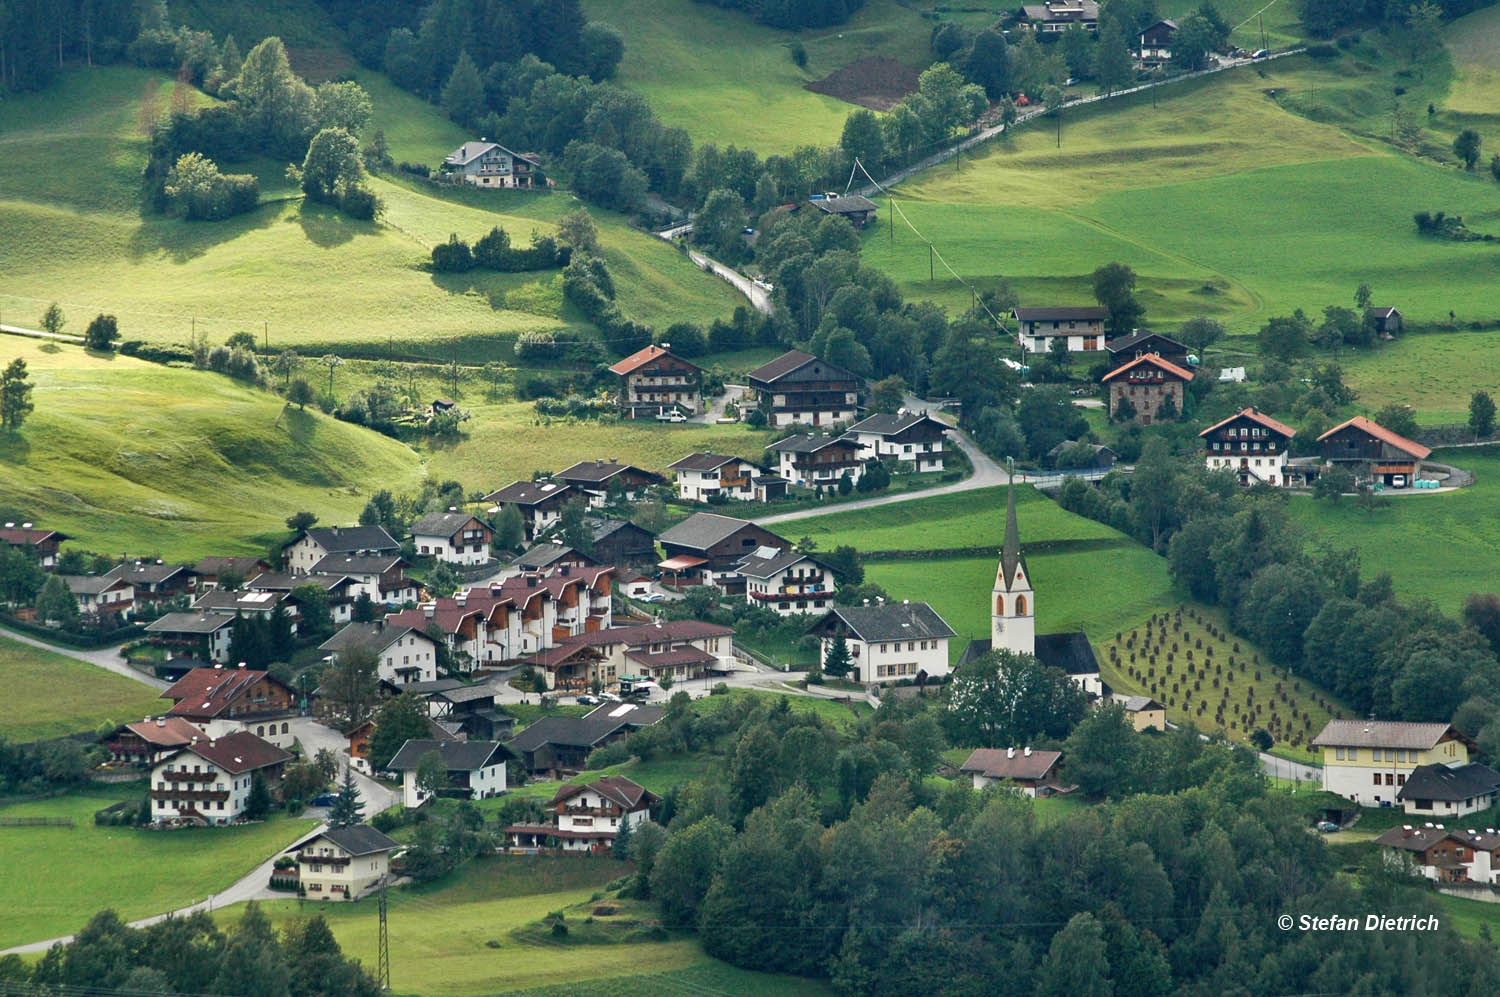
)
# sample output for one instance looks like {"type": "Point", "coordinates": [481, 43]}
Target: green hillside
{"type": "Point", "coordinates": [49, 695]}
{"type": "Point", "coordinates": [132, 457]}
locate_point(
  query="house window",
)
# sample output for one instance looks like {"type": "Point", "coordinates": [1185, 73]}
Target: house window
{"type": "Point", "coordinates": [1390, 754]}
{"type": "Point", "coordinates": [1377, 778]}
{"type": "Point", "coordinates": [1338, 753]}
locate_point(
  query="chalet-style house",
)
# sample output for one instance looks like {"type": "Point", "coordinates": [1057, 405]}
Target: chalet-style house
{"type": "Point", "coordinates": [548, 557]}
{"type": "Point", "coordinates": [492, 165]}
{"type": "Point", "coordinates": [381, 577]}
{"type": "Point", "coordinates": [856, 208]}
{"type": "Point", "coordinates": [912, 438]}
{"type": "Point", "coordinates": [154, 581]}
{"type": "Point", "coordinates": [786, 581]}
{"type": "Point", "coordinates": [342, 863]}
{"type": "Point", "coordinates": [706, 549]}
{"type": "Point", "coordinates": [1082, 326]}
{"type": "Point", "coordinates": [655, 380]}
{"type": "Point", "coordinates": [1123, 349]}
{"type": "Point", "coordinates": [100, 595]}
{"type": "Point", "coordinates": [1251, 445]}
{"type": "Point", "coordinates": [342, 590]}
{"type": "Point", "coordinates": [203, 635]}
{"type": "Point", "coordinates": [1055, 16]}
{"type": "Point", "coordinates": [797, 387]}
{"type": "Point", "coordinates": [1144, 712]}
{"type": "Point", "coordinates": [232, 569]}
{"type": "Point", "coordinates": [224, 701]}
{"type": "Point", "coordinates": [403, 653]}
{"type": "Point", "coordinates": [1373, 453]}
{"type": "Point", "coordinates": [677, 649]}
{"type": "Point", "coordinates": [304, 553]}
{"type": "Point", "coordinates": [887, 641]}
{"type": "Point", "coordinates": [1032, 773]}
{"type": "Point", "coordinates": [1154, 45]}
{"type": "Point", "coordinates": [476, 769]}
{"type": "Point", "coordinates": [1155, 389]}
{"type": "Point", "coordinates": [150, 740]}
{"type": "Point", "coordinates": [43, 544]}
{"type": "Point", "coordinates": [1385, 321]}
{"type": "Point", "coordinates": [556, 747]}
{"type": "Point", "coordinates": [452, 536]}
{"type": "Point", "coordinates": [1468, 855]}
{"type": "Point", "coordinates": [702, 477]}
{"type": "Point", "coordinates": [467, 711]}
{"type": "Point", "coordinates": [359, 738]}
{"type": "Point", "coordinates": [598, 479]}
{"type": "Point", "coordinates": [540, 502]}
{"type": "Point", "coordinates": [1449, 790]}
{"type": "Point", "coordinates": [818, 460]}
{"type": "Point", "coordinates": [208, 780]}
{"type": "Point", "coordinates": [587, 818]}
{"type": "Point", "coordinates": [1369, 761]}
{"type": "Point", "coordinates": [621, 543]}
{"type": "Point", "coordinates": [1013, 618]}
{"type": "Point", "coordinates": [1102, 460]}
{"type": "Point", "coordinates": [259, 603]}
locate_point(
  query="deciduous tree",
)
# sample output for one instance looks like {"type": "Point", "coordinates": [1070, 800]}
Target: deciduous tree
{"type": "Point", "coordinates": [15, 395]}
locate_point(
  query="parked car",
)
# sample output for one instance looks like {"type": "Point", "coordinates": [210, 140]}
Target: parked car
{"type": "Point", "coordinates": [326, 800]}
{"type": "Point", "coordinates": [763, 284]}
{"type": "Point", "coordinates": [1327, 826]}
{"type": "Point", "coordinates": [653, 597]}
{"type": "Point", "coordinates": [587, 700]}
{"type": "Point", "coordinates": [609, 697]}
{"type": "Point", "coordinates": [670, 415]}
{"type": "Point", "coordinates": [1260, 53]}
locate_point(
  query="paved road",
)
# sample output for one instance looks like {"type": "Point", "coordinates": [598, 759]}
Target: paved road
{"type": "Point", "coordinates": [313, 736]}
{"type": "Point", "coordinates": [757, 295]}
{"type": "Point", "coordinates": [61, 337]}
{"type": "Point", "coordinates": [107, 658]}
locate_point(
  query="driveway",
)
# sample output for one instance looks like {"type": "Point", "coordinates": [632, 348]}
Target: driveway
{"type": "Point", "coordinates": [107, 658]}
{"type": "Point", "coordinates": [314, 736]}
{"type": "Point", "coordinates": [716, 406]}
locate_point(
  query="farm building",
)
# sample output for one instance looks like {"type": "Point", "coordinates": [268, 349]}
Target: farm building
{"type": "Point", "coordinates": [1373, 453]}
{"type": "Point", "coordinates": [492, 165]}
{"type": "Point", "coordinates": [706, 549]}
{"type": "Point", "coordinates": [798, 387]}
{"type": "Point", "coordinates": [655, 379]}
{"type": "Point", "coordinates": [1101, 457]}
{"type": "Point", "coordinates": [1251, 445]}
{"type": "Point", "coordinates": [1385, 321]}
{"type": "Point", "coordinates": [1082, 327]}
{"type": "Point", "coordinates": [1123, 349]}
{"type": "Point", "coordinates": [1144, 713]}
{"type": "Point", "coordinates": [859, 210]}
{"type": "Point", "coordinates": [1149, 388]}
{"type": "Point", "coordinates": [558, 746]}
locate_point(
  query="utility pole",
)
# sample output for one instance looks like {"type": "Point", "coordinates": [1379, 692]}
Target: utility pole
{"type": "Point", "coordinates": [266, 325]}
{"type": "Point", "coordinates": [893, 218]}
{"type": "Point", "coordinates": [929, 263]}
{"type": "Point", "coordinates": [383, 966]}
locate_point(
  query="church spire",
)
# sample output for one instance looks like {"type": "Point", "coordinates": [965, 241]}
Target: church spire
{"type": "Point", "coordinates": [1010, 554]}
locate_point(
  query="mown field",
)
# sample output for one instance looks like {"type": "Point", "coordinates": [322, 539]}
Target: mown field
{"type": "Point", "coordinates": [50, 695]}
{"type": "Point", "coordinates": [56, 878]}
{"type": "Point", "coordinates": [1216, 219]}
{"type": "Point", "coordinates": [1401, 373]}
{"type": "Point", "coordinates": [132, 457]}
{"type": "Point", "coordinates": [728, 80]}
{"type": "Point", "coordinates": [1439, 547]}
{"type": "Point", "coordinates": [458, 931]}
{"type": "Point", "coordinates": [1474, 42]}
{"type": "Point", "coordinates": [77, 235]}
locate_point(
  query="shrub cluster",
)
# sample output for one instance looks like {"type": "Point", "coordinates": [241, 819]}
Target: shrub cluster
{"type": "Point", "coordinates": [495, 252]}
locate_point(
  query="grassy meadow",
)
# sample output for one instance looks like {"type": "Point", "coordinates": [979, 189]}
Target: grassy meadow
{"type": "Point", "coordinates": [1401, 372]}
{"type": "Point", "coordinates": [132, 457]}
{"type": "Point", "coordinates": [58, 877]}
{"type": "Point", "coordinates": [50, 695]}
{"type": "Point", "coordinates": [731, 81]}
{"type": "Point", "coordinates": [460, 931]}
{"type": "Point", "coordinates": [1474, 43]}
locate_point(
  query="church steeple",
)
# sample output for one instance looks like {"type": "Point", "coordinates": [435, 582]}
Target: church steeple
{"type": "Point", "coordinates": [1013, 613]}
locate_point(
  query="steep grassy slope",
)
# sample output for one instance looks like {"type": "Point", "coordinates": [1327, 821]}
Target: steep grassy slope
{"type": "Point", "coordinates": [50, 695]}
{"type": "Point", "coordinates": [131, 457]}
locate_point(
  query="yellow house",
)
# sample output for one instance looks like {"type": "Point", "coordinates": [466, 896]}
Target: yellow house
{"type": "Point", "coordinates": [1144, 713]}
{"type": "Point", "coordinates": [1369, 761]}
{"type": "Point", "coordinates": [342, 863]}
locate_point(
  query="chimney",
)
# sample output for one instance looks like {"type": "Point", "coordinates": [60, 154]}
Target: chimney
{"type": "Point", "coordinates": [906, 602]}
{"type": "Point", "coordinates": [161, 721]}
{"type": "Point", "coordinates": [461, 599]}
{"type": "Point", "coordinates": [429, 609]}
{"type": "Point", "coordinates": [453, 508]}
{"type": "Point", "coordinates": [242, 664]}
{"type": "Point", "coordinates": [880, 600]}
{"type": "Point", "coordinates": [212, 742]}
{"type": "Point", "coordinates": [335, 531]}
{"type": "Point", "coordinates": [495, 589]}
{"type": "Point", "coordinates": [194, 740]}
{"type": "Point", "coordinates": [1010, 752]}
{"type": "Point", "coordinates": [26, 526]}
{"type": "Point", "coordinates": [218, 665]}
{"type": "Point", "coordinates": [10, 526]}
{"type": "Point", "coordinates": [1028, 752]}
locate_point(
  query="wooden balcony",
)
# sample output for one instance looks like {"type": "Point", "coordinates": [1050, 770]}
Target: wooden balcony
{"type": "Point", "coordinates": [308, 858]}
{"type": "Point", "coordinates": [189, 794]}
{"type": "Point", "coordinates": [574, 811]}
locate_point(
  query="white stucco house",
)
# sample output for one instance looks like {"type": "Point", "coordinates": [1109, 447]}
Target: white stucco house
{"type": "Point", "coordinates": [476, 769]}
{"type": "Point", "coordinates": [887, 641]}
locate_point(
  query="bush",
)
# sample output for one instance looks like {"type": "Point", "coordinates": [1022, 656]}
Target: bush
{"type": "Point", "coordinates": [360, 203]}
{"type": "Point", "coordinates": [537, 347]}
{"type": "Point", "coordinates": [415, 169]}
{"type": "Point", "coordinates": [1323, 50]}
{"type": "Point", "coordinates": [454, 256]}
{"type": "Point", "coordinates": [610, 754]}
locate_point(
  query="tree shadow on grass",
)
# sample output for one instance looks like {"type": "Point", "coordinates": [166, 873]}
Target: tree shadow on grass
{"type": "Point", "coordinates": [298, 424]}
{"type": "Point", "coordinates": [327, 227]}
{"type": "Point", "coordinates": [184, 240]}
{"type": "Point", "coordinates": [14, 448]}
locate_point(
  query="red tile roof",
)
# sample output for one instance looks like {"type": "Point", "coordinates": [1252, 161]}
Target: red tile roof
{"type": "Point", "coordinates": [1155, 360]}
{"type": "Point", "coordinates": [165, 732]}
{"type": "Point", "coordinates": [238, 753]}
{"type": "Point", "coordinates": [207, 692]}
{"type": "Point", "coordinates": [1382, 434]}
{"type": "Point", "coordinates": [628, 794]}
{"type": "Point", "coordinates": [640, 358]}
{"type": "Point", "coordinates": [1254, 415]}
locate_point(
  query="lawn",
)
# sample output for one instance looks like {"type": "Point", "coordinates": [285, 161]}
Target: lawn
{"type": "Point", "coordinates": [1474, 42]}
{"type": "Point", "coordinates": [57, 878]}
{"type": "Point", "coordinates": [1401, 373]}
{"type": "Point", "coordinates": [658, 775]}
{"type": "Point", "coordinates": [1440, 547]}
{"type": "Point", "coordinates": [948, 522]}
{"type": "Point", "coordinates": [730, 81]}
{"type": "Point", "coordinates": [458, 932]}
{"type": "Point", "coordinates": [1215, 219]}
{"type": "Point", "coordinates": [76, 234]}
{"type": "Point", "coordinates": [132, 457]}
{"type": "Point", "coordinates": [50, 695]}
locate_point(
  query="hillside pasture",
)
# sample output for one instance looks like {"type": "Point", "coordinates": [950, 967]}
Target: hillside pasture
{"type": "Point", "coordinates": [1474, 43]}
{"type": "Point", "coordinates": [52, 695]}
{"type": "Point", "coordinates": [133, 457]}
{"type": "Point", "coordinates": [1401, 373]}
{"type": "Point", "coordinates": [58, 877]}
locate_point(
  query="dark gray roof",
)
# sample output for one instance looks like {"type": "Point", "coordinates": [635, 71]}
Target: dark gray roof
{"type": "Point", "coordinates": [436, 685]}
{"type": "Point", "coordinates": [1383, 734]}
{"type": "Point", "coordinates": [356, 564]}
{"type": "Point", "coordinates": [848, 204]}
{"type": "Point", "coordinates": [602, 527]}
{"type": "Point", "coordinates": [465, 756]}
{"type": "Point", "coordinates": [440, 524]}
{"type": "Point", "coordinates": [1065, 444]}
{"type": "Point", "coordinates": [585, 731]}
{"type": "Point", "coordinates": [1440, 782]}
{"type": "Point", "coordinates": [756, 566]}
{"type": "Point", "coordinates": [542, 555]}
{"type": "Point", "coordinates": [1064, 314]}
{"type": "Point", "coordinates": [890, 423]}
{"type": "Point", "coordinates": [1071, 652]}
{"type": "Point", "coordinates": [701, 462]}
{"type": "Point", "coordinates": [1137, 337]}
{"type": "Point", "coordinates": [1010, 553]}
{"type": "Point", "coordinates": [148, 573]}
{"type": "Point", "coordinates": [189, 623]}
{"type": "Point", "coordinates": [90, 584]}
{"type": "Point", "coordinates": [470, 151]}
{"type": "Point", "coordinates": [280, 581]}
{"type": "Point", "coordinates": [375, 636]}
{"type": "Point", "coordinates": [781, 366]}
{"type": "Point", "coordinates": [248, 601]}
{"type": "Point", "coordinates": [599, 471]}
{"type": "Point", "coordinates": [528, 492]}
{"type": "Point", "coordinates": [340, 539]}
{"type": "Point", "coordinates": [702, 530]}
{"type": "Point", "coordinates": [811, 442]}
{"type": "Point", "coordinates": [359, 839]}
{"type": "Point", "coordinates": [892, 621]}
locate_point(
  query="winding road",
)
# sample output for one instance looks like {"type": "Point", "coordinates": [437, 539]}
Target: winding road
{"type": "Point", "coordinates": [107, 658]}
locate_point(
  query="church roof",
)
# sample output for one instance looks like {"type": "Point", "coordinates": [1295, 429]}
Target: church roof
{"type": "Point", "coordinates": [1010, 554]}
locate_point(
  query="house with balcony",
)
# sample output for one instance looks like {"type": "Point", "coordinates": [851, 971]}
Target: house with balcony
{"type": "Point", "coordinates": [600, 480]}
{"type": "Point", "coordinates": [222, 701]}
{"type": "Point", "coordinates": [197, 634]}
{"type": "Point", "coordinates": [707, 548]}
{"type": "Point", "coordinates": [1371, 761]}
{"type": "Point", "coordinates": [403, 653]}
{"type": "Point", "coordinates": [540, 502]}
{"type": "Point", "coordinates": [677, 649]}
{"type": "Point", "coordinates": [587, 818]}
{"type": "Point", "coordinates": [304, 553]}
{"type": "Point", "coordinates": [44, 545]}
{"type": "Point", "coordinates": [341, 590]}
{"type": "Point", "coordinates": [1154, 44]}
{"type": "Point", "coordinates": [381, 577]}
{"type": "Point", "coordinates": [155, 582]}
{"type": "Point", "coordinates": [1250, 445]}
{"type": "Point", "coordinates": [490, 165]}
{"type": "Point", "coordinates": [1057, 16]}
{"type": "Point", "coordinates": [787, 582]}
{"type": "Point", "coordinates": [452, 536]}
{"type": "Point", "coordinates": [704, 477]}
{"type": "Point", "coordinates": [1081, 327]}
{"type": "Point", "coordinates": [818, 460]}
{"type": "Point", "coordinates": [655, 380]}
{"type": "Point", "coordinates": [621, 543]}
{"type": "Point", "coordinates": [208, 780]}
{"type": "Point", "coordinates": [148, 741]}
{"type": "Point", "coordinates": [238, 569]}
{"type": "Point", "coordinates": [343, 863]}
{"type": "Point", "coordinates": [476, 769]}
{"type": "Point", "coordinates": [799, 388]}
{"type": "Point", "coordinates": [914, 439]}
{"type": "Point", "coordinates": [100, 596]}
